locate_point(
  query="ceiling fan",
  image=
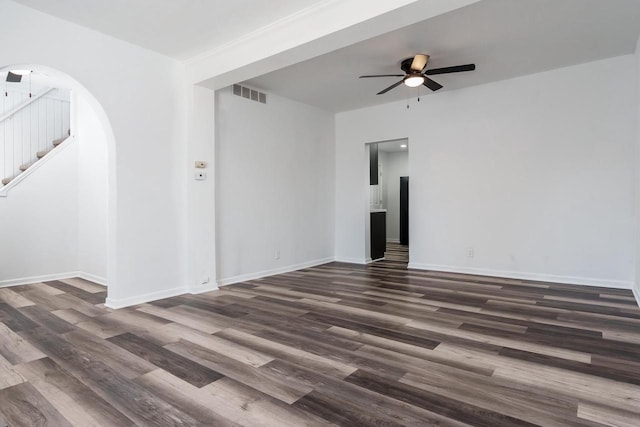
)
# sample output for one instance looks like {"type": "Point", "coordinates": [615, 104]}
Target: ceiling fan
{"type": "Point", "coordinates": [416, 75]}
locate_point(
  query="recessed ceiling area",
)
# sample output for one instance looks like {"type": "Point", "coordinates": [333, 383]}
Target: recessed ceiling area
{"type": "Point", "coordinates": [180, 29]}
{"type": "Point", "coordinates": [504, 38]}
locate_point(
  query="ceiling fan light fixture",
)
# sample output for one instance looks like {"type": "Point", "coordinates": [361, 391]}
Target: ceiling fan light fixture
{"type": "Point", "coordinates": [414, 80]}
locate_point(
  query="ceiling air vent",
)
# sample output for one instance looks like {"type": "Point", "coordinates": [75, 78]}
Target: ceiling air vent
{"type": "Point", "coordinates": [251, 94]}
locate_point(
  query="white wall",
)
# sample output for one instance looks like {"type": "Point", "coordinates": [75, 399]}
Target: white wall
{"type": "Point", "coordinates": [274, 186]}
{"type": "Point", "coordinates": [534, 173]}
{"type": "Point", "coordinates": [396, 164]}
{"type": "Point", "coordinates": [201, 228]}
{"type": "Point", "coordinates": [143, 97]}
{"type": "Point", "coordinates": [92, 193]}
{"type": "Point", "coordinates": [636, 288]}
{"type": "Point", "coordinates": [38, 222]}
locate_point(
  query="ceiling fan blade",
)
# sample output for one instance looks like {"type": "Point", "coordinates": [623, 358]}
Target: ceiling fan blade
{"type": "Point", "coordinates": [382, 75]}
{"type": "Point", "coordinates": [383, 91]}
{"type": "Point", "coordinates": [431, 84]}
{"type": "Point", "coordinates": [455, 69]}
{"type": "Point", "coordinates": [419, 62]}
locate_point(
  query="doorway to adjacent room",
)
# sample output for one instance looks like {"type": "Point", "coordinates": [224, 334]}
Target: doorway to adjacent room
{"type": "Point", "coordinates": [389, 200]}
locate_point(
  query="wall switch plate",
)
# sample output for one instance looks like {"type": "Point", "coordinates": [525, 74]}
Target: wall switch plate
{"type": "Point", "coordinates": [469, 252]}
{"type": "Point", "coordinates": [277, 254]}
{"type": "Point", "coordinates": [200, 176]}
{"type": "Point", "coordinates": [200, 164]}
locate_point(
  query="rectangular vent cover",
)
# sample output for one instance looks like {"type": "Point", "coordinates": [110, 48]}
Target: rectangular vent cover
{"type": "Point", "coordinates": [251, 94]}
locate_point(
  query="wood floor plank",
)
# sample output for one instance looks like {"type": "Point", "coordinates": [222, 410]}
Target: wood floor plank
{"type": "Point", "coordinates": [8, 375]}
{"type": "Point", "coordinates": [77, 402]}
{"type": "Point", "coordinates": [44, 318]}
{"type": "Point", "coordinates": [586, 387]}
{"type": "Point", "coordinates": [23, 405]}
{"type": "Point", "coordinates": [279, 388]}
{"type": "Point", "coordinates": [412, 350]}
{"type": "Point", "coordinates": [188, 398]}
{"type": "Point", "coordinates": [14, 319]}
{"type": "Point", "coordinates": [132, 400]}
{"type": "Point", "coordinates": [85, 285]}
{"type": "Point", "coordinates": [181, 367]}
{"type": "Point", "coordinates": [14, 299]}
{"type": "Point", "coordinates": [112, 355]}
{"type": "Point", "coordinates": [16, 349]}
{"type": "Point", "coordinates": [257, 408]}
{"type": "Point", "coordinates": [283, 352]}
{"type": "Point", "coordinates": [606, 416]}
{"type": "Point", "coordinates": [536, 405]}
{"type": "Point", "coordinates": [434, 402]}
{"type": "Point", "coordinates": [184, 319]}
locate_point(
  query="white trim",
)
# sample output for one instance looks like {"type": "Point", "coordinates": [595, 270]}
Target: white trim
{"type": "Point", "coordinates": [279, 270]}
{"type": "Point", "coordinates": [353, 260]}
{"type": "Point", "coordinates": [140, 299]}
{"type": "Point", "coordinates": [636, 295]}
{"type": "Point", "coordinates": [4, 191]}
{"type": "Point", "coordinates": [259, 33]}
{"type": "Point", "coordinates": [207, 287]}
{"type": "Point", "coordinates": [37, 279]}
{"type": "Point", "coordinates": [58, 276]}
{"type": "Point", "coordinates": [587, 281]}
{"type": "Point", "coordinates": [92, 278]}
{"type": "Point", "coordinates": [393, 240]}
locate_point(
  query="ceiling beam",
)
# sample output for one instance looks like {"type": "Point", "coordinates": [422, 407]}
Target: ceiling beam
{"type": "Point", "coordinates": [317, 30]}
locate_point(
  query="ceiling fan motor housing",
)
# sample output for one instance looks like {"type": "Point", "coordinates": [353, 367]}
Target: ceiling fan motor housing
{"type": "Point", "coordinates": [405, 65]}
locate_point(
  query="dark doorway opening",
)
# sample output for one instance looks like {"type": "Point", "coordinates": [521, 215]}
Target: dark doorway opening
{"type": "Point", "coordinates": [404, 210]}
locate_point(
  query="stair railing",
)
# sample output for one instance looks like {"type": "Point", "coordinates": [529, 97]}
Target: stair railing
{"type": "Point", "coordinates": [30, 127]}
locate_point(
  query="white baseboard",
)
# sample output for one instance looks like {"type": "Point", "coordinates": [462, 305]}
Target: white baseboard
{"type": "Point", "coordinates": [92, 278]}
{"type": "Point", "coordinates": [360, 261]}
{"type": "Point", "coordinates": [393, 240]}
{"type": "Point", "coordinates": [604, 283]}
{"type": "Point", "coordinates": [37, 279]}
{"type": "Point", "coordinates": [141, 299]}
{"type": "Point", "coordinates": [57, 276]}
{"type": "Point", "coordinates": [279, 270]}
{"type": "Point", "coordinates": [636, 294]}
{"type": "Point", "coordinates": [207, 287]}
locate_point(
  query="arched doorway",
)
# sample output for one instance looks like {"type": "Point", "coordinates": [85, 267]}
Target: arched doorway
{"type": "Point", "coordinates": [94, 151]}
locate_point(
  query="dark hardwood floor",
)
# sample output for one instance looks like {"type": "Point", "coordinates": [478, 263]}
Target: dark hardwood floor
{"type": "Point", "coordinates": [337, 344]}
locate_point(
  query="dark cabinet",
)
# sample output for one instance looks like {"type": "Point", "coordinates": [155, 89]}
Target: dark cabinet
{"type": "Point", "coordinates": [373, 164]}
{"type": "Point", "coordinates": [378, 234]}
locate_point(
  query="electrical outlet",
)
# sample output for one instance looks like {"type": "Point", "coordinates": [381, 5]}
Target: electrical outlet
{"type": "Point", "coordinates": [469, 252]}
{"type": "Point", "coordinates": [200, 164]}
{"type": "Point", "coordinates": [277, 254]}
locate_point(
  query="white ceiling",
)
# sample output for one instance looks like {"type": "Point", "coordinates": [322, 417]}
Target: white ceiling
{"type": "Point", "coordinates": [394, 146]}
{"type": "Point", "coordinates": [177, 28]}
{"type": "Point", "coordinates": [504, 38]}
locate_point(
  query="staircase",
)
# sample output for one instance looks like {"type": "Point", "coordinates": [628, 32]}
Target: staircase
{"type": "Point", "coordinates": [31, 127]}
{"type": "Point", "coordinates": [39, 155]}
